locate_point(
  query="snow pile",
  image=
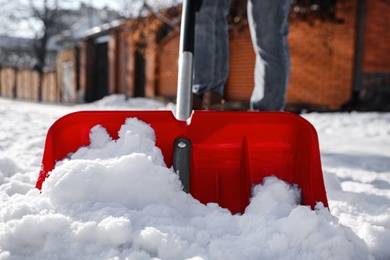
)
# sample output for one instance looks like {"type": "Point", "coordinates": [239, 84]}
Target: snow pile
{"type": "Point", "coordinates": [115, 171]}
{"type": "Point", "coordinates": [120, 102]}
{"type": "Point", "coordinates": [116, 199]}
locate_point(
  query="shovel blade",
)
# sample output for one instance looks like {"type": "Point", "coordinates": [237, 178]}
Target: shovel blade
{"type": "Point", "coordinates": [231, 151]}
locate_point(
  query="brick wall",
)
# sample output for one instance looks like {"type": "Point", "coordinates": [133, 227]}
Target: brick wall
{"type": "Point", "coordinates": [376, 56]}
{"type": "Point", "coordinates": [86, 67]}
{"type": "Point", "coordinates": [151, 65]}
{"type": "Point", "coordinates": [322, 59]}
{"type": "Point", "coordinates": [121, 63]}
{"type": "Point", "coordinates": [168, 66]}
{"type": "Point", "coordinates": [242, 61]}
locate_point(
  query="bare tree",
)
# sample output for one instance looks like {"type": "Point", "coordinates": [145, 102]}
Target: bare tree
{"type": "Point", "coordinates": [40, 20]}
{"type": "Point", "coordinates": [134, 8]}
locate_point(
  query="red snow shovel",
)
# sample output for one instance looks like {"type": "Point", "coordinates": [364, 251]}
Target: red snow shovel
{"type": "Point", "coordinates": [218, 155]}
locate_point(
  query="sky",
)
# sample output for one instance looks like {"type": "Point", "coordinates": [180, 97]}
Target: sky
{"type": "Point", "coordinates": [116, 199]}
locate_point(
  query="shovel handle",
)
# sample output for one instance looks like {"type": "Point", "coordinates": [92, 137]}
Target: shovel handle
{"type": "Point", "coordinates": [186, 56]}
{"type": "Point", "coordinates": [181, 161]}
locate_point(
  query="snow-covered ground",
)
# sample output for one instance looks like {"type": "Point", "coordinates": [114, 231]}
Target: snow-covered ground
{"type": "Point", "coordinates": [117, 200]}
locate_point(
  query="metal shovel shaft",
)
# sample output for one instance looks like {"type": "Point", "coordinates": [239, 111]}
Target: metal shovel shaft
{"type": "Point", "coordinates": [186, 56]}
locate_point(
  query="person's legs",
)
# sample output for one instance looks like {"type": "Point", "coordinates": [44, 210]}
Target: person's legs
{"type": "Point", "coordinates": [205, 42]}
{"type": "Point", "coordinates": [211, 62]}
{"type": "Point", "coordinates": [221, 47]}
{"type": "Point", "coordinates": [269, 28]}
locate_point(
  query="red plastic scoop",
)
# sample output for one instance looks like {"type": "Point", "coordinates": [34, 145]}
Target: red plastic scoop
{"type": "Point", "coordinates": [230, 151]}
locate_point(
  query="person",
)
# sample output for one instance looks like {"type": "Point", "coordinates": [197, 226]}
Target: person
{"type": "Point", "coordinates": [268, 23]}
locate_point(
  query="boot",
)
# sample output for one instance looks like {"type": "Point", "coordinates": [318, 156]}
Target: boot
{"type": "Point", "coordinates": [196, 102]}
{"type": "Point", "coordinates": [212, 101]}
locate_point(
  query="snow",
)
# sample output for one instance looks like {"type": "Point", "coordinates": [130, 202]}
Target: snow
{"type": "Point", "coordinates": [118, 200]}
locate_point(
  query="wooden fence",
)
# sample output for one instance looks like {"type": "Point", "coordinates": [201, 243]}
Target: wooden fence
{"type": "Point", "coordinates": [23, 84]}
